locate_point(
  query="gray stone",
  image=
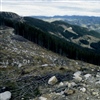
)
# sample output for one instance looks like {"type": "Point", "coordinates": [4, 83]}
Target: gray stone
{"type": "Point", "coordinates": [53, 80]}
{"type": "Point", "coordinates": [5, 95]}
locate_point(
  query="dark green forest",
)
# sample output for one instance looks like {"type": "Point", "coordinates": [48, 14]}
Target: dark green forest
{"type": "Point", "coordinates": [52, 42]}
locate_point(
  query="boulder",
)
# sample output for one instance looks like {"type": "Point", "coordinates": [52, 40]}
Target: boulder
{"type": "Point", "coordinates": [53, 80]}
{"type": "Point", "coordinates": [5, 95]}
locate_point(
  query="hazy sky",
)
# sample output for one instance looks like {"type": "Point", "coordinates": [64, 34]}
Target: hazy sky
{"type": "Point", "coordinates": [52, 7]}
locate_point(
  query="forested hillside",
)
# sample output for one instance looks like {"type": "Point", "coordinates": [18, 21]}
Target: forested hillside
{"type": "Point", "coordinates": [52, 42]}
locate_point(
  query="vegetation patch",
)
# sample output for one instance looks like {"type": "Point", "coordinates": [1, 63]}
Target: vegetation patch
{"type": "Point", "coordinates": [84, 42]}
{"type": "Point", "coordinates": [96, 45]}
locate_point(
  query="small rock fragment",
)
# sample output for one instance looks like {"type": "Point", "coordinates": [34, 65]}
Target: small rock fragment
{"type": "Point", "coordinates": [76, 63]}
{"type": "Point", "coordinates": [98, 82]}
{"type": "Point", "coordinates": [69, 92]}
{"type": "Point", "coordinates": [98, 75]}
{"type": "Point", "coordinates": [53, 80]}
{"type": "Point", "coordinates": [87, 98]}
{"type": "Point", "coordinates": [95, 93]}
{"type": "Point", "coordinates": [87, 76]}
{"type": "Point", "coordinates": [77, 76]}
{"type": "Point", "coordinates": [42, 98]}
{"type": "Point", "coordinates": [61, 84]}
{"type": "Point", "coordinates": [78, 73]}
{"type": "Point", "coordinates": [70, 84]}
{"type": "Point", "coordinates": [83, 89]}
{"type": "Point", "coordinates": [45, 65]}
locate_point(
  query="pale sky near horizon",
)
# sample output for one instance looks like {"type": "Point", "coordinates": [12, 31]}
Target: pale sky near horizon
{"type": "Point", "coordinates": [51, 7]}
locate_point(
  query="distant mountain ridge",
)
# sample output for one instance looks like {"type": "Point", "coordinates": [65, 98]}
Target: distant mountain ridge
{"type": "Point", "coordinates": [91, 22]}
{"type": "Point", "coordinates": [65, 16]}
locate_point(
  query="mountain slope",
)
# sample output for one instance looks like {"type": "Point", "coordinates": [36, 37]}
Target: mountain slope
{"type": "Point", "coordinates": [68, 32]}
{"type": "Point", "coordinates": [78, 34]}
{"type": "Point", "coordinates": [54, 42]}
{"type": "Point", "coordinates": [26, 68]}
{"type": "Point", "coordinates": [20, 60]}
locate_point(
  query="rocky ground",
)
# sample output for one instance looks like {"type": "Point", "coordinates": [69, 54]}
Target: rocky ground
{"type": "Point", "coordinates": [29, 72]}
{"type": "Point", "coordinates": [83, 86]}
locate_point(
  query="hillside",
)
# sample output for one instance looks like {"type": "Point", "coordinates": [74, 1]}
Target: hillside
{"type": "Point", "coordinates": [79, 35]}
{"type": "Point", "coordinates": [26, 69]}
{"type": "Point", "coordinates": [30, 70]}
{"type": "Point", "coordinates": [68, 40]}
{"type": "Point", "coordinates": [72, 33]}
{"type": "Point", "coordinates": [22, 60]}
